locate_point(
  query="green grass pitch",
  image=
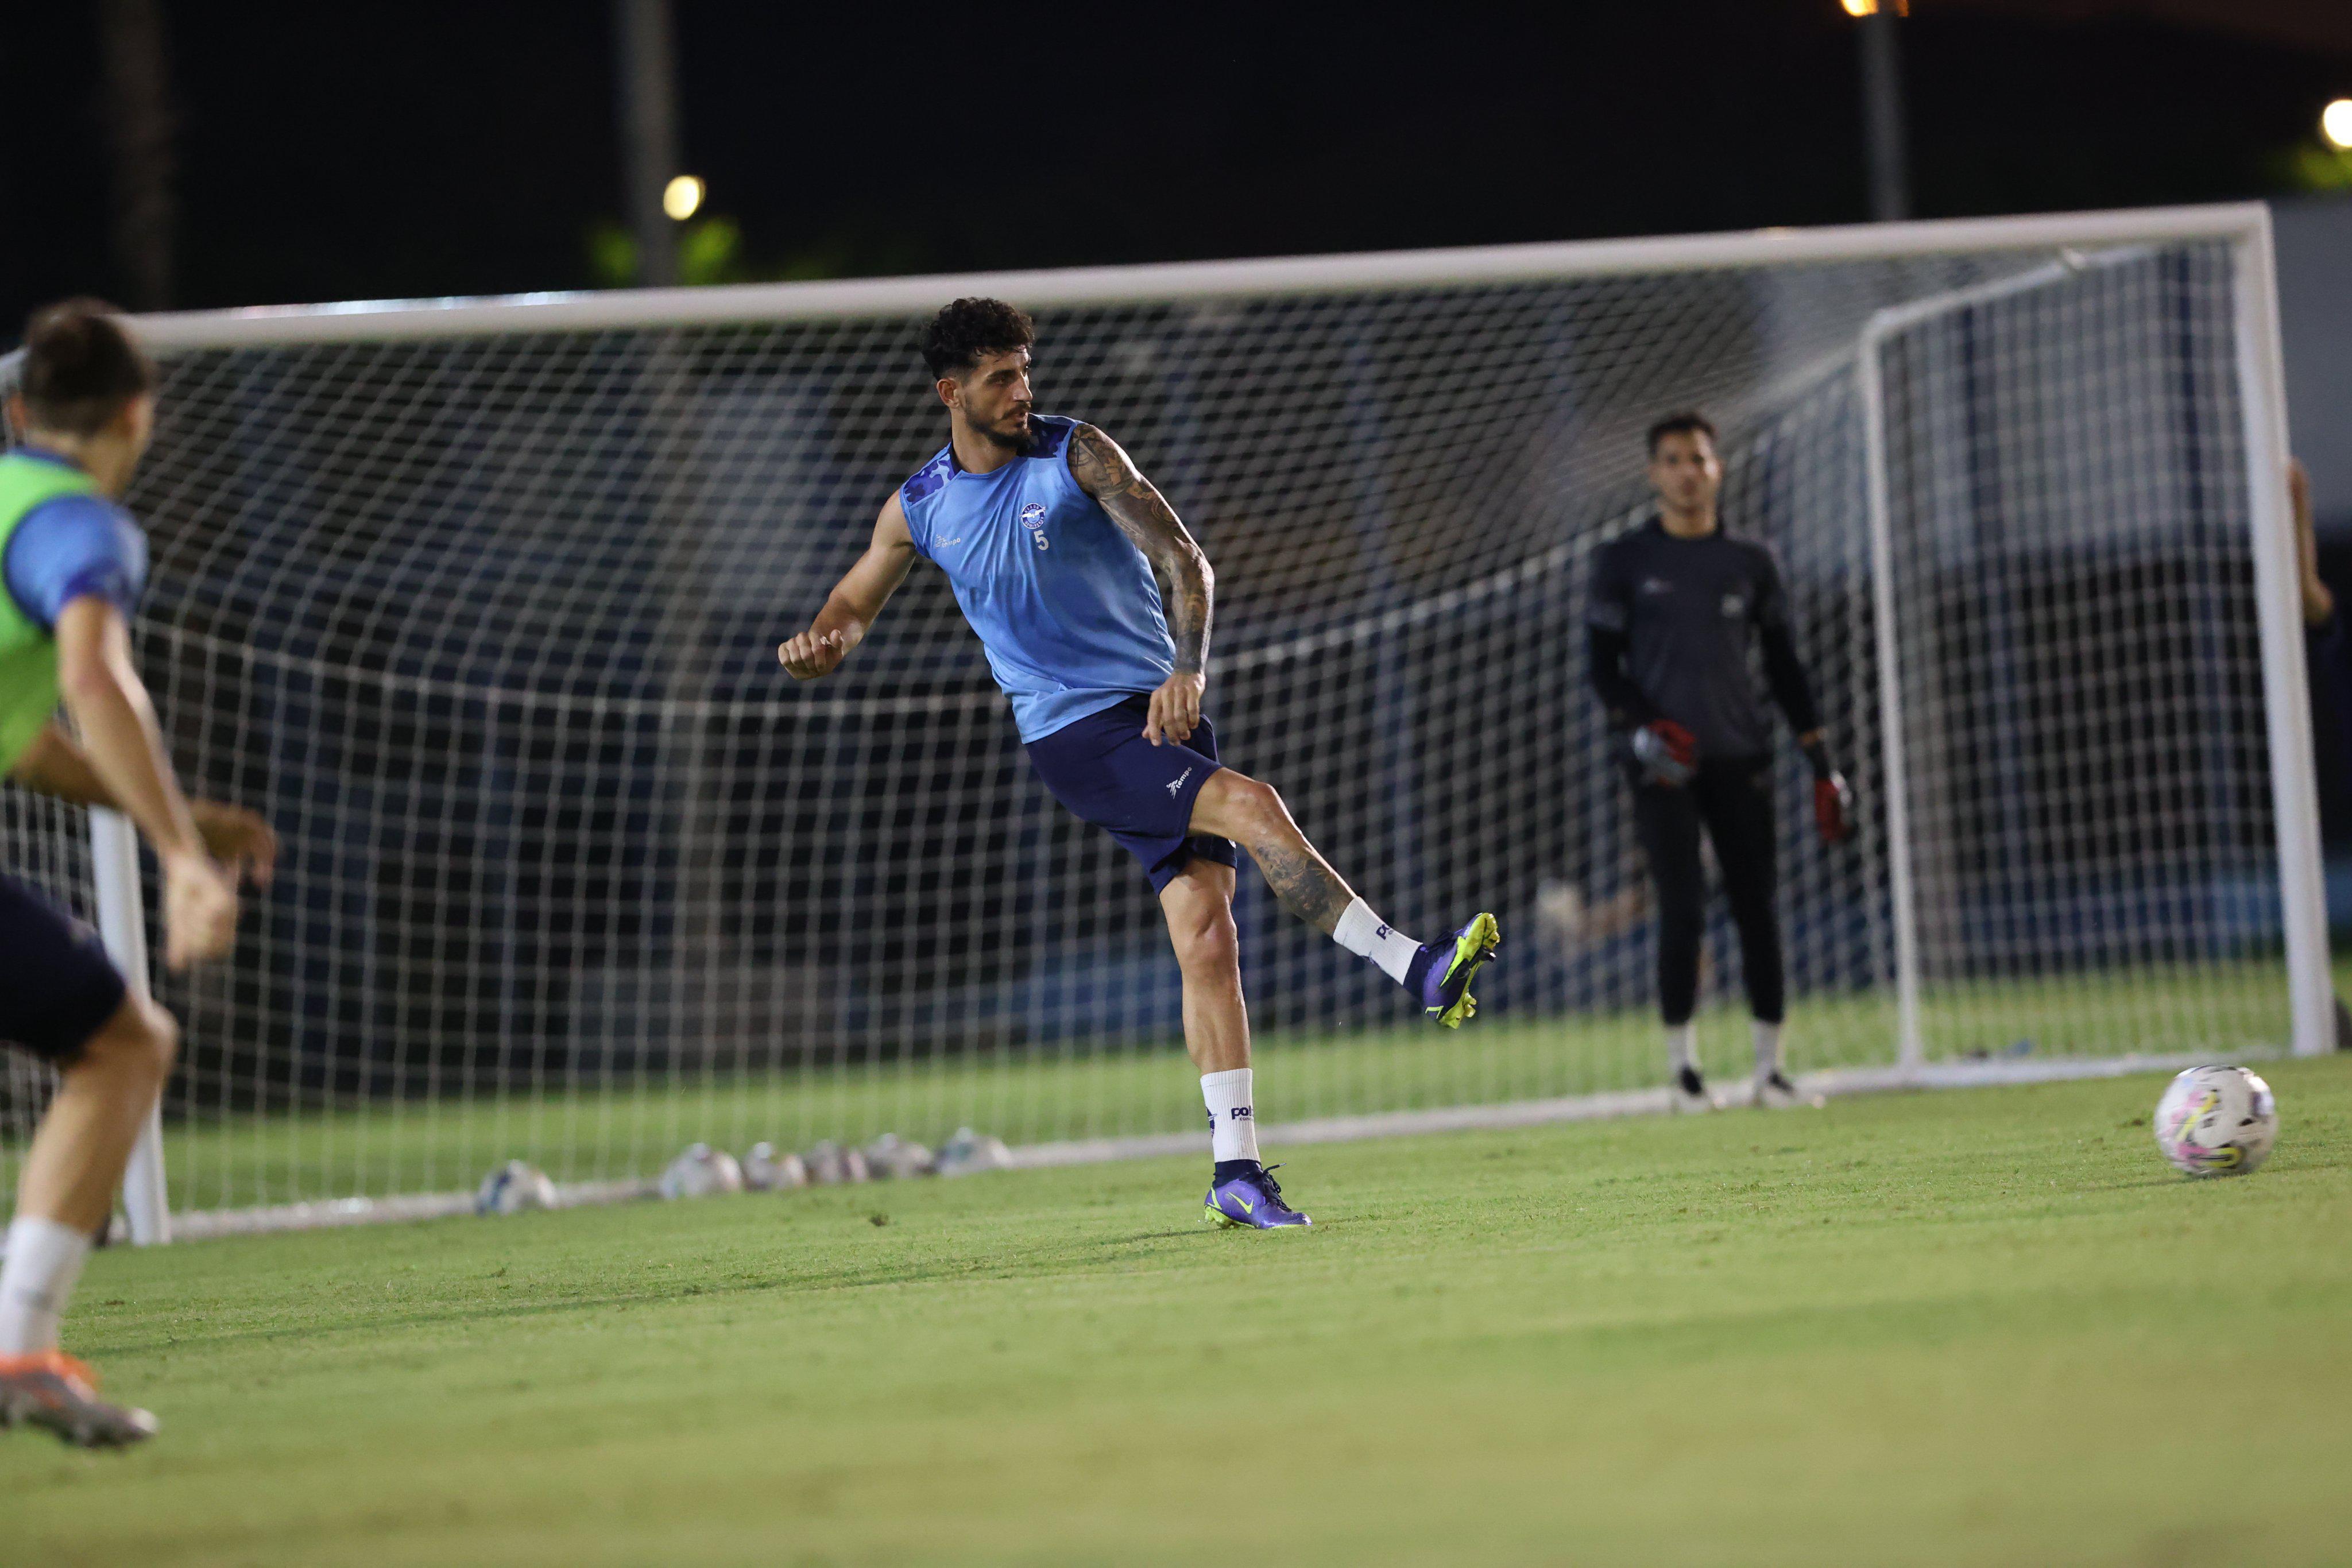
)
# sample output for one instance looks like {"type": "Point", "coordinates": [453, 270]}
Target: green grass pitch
{"type": "Point", "coordinates": [1964, 1327]}
{"type": "Point", "coordinates": [631, 1127]}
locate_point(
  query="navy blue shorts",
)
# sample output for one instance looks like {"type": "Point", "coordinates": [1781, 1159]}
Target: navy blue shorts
{"type": "Point", "coordinates": [57, 987]}
{"type": "Point", "coordinates": [1103, 769]}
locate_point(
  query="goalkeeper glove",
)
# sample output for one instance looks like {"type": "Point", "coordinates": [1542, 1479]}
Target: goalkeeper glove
{"type": "Point", "coordinates": [1664, 752]}
{"type": "Point", "coordinates": [1833, 799]}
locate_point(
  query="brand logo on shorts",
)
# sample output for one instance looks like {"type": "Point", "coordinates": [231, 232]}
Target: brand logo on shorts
{"type": "Point", "coordinates": [1178, 783]}
{"type": "Point", "coordinates": [1033, 518]}
{"type": "Point", "coordinates": [1734, 606]}
{"type": "Point", "coordinates": [1654, 586]}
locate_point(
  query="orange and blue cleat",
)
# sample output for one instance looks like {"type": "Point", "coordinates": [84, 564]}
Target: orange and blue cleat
{"type": "Point", "coordinates": [52, 1390]}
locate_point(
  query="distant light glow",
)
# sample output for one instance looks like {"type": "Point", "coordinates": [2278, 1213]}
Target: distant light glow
{"type": "Point", "coordinates": [682, 197]}
{"type": "Point", "coordinates": [2336, 123]}
{"type": "Point", "coordinates": [1860, 7]}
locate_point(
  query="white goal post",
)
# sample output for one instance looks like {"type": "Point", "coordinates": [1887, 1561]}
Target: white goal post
{"type": "Point", "coordinates": [477, 598]}
{"type": "Point", "coordinates": [2286, 689]}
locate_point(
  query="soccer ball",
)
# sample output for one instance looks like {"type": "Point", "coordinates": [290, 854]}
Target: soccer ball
{"type": "Point", "coordinates": [513, 1187]}
{"type": "Point", "coordinates": [701, 1171]}
{"type": "Point", "coordinates": [2216, 1121]}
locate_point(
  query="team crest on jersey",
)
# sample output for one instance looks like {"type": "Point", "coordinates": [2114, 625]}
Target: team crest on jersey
{"type": "Point", "coordinates": [1734, 606]}
{"type": "Point", "coordinates": [1033, 518]}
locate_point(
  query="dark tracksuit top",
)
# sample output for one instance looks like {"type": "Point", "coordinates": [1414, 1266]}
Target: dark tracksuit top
{"type": "Point", "coordinates": [1669, 622]}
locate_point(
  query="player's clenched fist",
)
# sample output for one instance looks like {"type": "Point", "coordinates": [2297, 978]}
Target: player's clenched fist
{"type": "Point", "coordinates": [813, 654]}
{"type": "Point", "coordinates": [1175, 709]}
{"type": "Point", "coordinates": [199, 909]}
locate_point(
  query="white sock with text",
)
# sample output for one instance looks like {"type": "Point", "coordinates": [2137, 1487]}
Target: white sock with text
{"type": "Point", "coordinates": [1232, 1126]}
{"type": "Point", "coordinates": [1367, 936]}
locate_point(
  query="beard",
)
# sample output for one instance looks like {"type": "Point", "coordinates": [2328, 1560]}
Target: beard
{"type": "Point", "coordinates": [1018, 439]}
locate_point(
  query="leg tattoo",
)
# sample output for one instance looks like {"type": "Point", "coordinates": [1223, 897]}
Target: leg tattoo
{"type": "Point", "coordinates": [1304, 883]}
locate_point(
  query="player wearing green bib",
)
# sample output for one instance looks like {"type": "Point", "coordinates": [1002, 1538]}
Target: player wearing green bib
{"type": "Point", "coordinates": [71, 567]}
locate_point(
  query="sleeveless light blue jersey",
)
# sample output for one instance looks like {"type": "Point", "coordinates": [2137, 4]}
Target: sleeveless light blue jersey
{"type": "Point", "coordinates": [1064, 602]}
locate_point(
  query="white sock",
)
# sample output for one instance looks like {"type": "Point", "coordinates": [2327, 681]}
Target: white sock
{"type": "Point", "coordinates": [1233, 1130]}
{"type": "Point", "coordinates": [1366, 935]}
{"type": "Point", "coordinates": [1768, 1048]}
{"type": "Point", "coordinates": [37, 1280]}
{"type": "Point", "coordinates": [1682, 1047]}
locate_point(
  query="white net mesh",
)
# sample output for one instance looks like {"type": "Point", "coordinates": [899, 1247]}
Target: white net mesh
{"type": "Point", "coordinates": [575, 874]}
{"type": "Point", "coordinates": [2092, 837]}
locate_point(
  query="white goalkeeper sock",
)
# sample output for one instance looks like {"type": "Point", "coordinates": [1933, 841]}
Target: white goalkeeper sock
{"type": "Point", "coordinates": [1232, 1129]}
{"type": "Point", "coordinates": [38, 1279]}
{"type": "Point", "coordinates": [1366, 935]}
{"type": "Point", "coordinates": [1682, 1047]}
{"type": "Point", "coordinates": [1768, 1048]}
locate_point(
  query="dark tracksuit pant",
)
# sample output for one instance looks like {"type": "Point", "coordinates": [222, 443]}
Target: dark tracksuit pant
{"type": "Point", "coordinates": [1731, 800]}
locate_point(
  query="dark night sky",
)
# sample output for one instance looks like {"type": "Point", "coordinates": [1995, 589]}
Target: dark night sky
{"type": "Point", "coordinates": [433, 148]}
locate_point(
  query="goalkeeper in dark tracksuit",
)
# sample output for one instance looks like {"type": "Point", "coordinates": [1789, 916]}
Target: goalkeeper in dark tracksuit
{"type": "Point", "coordinates": [1675, 607]}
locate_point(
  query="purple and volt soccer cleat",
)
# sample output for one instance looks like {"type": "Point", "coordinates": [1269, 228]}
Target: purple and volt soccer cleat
{"type": "Point", "coordinates": [1440, 975]}
{"type": "Point", "coordinates": [1252, 1200]}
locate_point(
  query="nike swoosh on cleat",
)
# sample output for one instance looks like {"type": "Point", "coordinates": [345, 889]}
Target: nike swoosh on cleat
{"type": "Point", "coordinates": [1247, 1206]}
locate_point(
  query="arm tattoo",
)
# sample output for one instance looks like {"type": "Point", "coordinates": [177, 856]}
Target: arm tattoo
{"type": "Point", "coordinates": [1106, 471]}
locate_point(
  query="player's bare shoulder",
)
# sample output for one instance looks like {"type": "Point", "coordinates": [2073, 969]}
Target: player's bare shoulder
{"type": "Point", "coordinates": [893, 532]}
{"type": "Point", "coordinates": [891, 524]}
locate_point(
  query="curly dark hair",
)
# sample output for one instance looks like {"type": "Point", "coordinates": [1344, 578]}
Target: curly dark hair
{"type": "Point", "coordinates": [968, 330]}
{"type": "Point", "coordinates": [81, 365]}
{"type": "Point", "coordinates": [1689, 422]}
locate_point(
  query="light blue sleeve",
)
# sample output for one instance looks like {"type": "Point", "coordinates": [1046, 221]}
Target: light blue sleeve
{"type": "Point", "coordinates": [71, 548]}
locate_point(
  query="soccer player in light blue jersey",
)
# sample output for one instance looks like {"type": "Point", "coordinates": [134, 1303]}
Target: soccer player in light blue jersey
{"type": "Point", "coordinates": [1094, 605]}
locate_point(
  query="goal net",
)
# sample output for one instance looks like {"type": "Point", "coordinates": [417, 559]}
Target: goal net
{"type": "Point", "coordinates": [478, 602]}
